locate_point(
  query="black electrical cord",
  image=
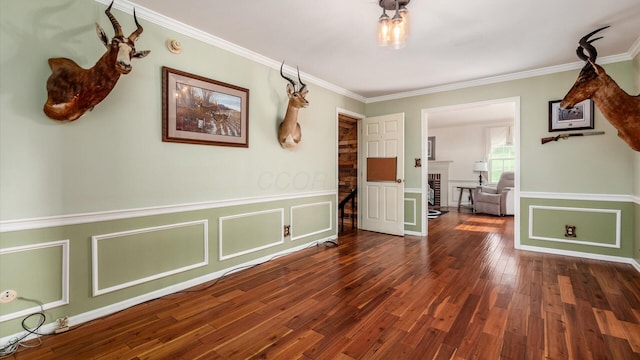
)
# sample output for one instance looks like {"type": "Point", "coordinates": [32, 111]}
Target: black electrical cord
{"type": "Point", "coordinates": [169, 296]}
{"type": "Point", "coordinates": [315, 243]}
{"type": "Point", "coordinates": [15, 344]}
{"type": "Point", "coordinates": [19, 342]}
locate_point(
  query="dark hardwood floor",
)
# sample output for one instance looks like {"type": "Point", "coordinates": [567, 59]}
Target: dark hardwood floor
{"type": "Point", "coordinates": [464, 293]}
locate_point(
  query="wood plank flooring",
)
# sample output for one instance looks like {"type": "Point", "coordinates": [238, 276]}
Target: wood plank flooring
{"type": "Point", "coordinates": [464, 293]}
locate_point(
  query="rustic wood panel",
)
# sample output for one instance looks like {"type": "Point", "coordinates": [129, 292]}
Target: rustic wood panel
{"type": "Point", "coordinates": [348, 164]}
{"type": "Point", "coordinates": [463, 293]}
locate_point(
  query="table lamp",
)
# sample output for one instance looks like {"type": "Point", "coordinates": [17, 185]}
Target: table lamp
{"type": "Point", "coordinates": [480, 167]}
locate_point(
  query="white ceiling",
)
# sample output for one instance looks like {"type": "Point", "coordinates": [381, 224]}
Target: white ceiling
{"type": "Point", "coordinates": [450, 41]}
{"type": "Point", "coordinates": [502, 112]}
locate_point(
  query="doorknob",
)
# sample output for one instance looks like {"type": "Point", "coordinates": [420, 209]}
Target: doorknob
{"type": "Point", "coordinates": [399, 181]}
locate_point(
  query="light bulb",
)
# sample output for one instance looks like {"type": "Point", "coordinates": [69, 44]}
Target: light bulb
{"type": "Point", "coordinates": [405, 20]}
{"type": "Point", "coordinates": [384, 30]}
{"type": "Point", "coordinates": [398, 39]}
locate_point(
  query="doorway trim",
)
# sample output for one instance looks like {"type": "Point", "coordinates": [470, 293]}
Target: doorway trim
{"type": "Point", "coordinates": [424, 123]}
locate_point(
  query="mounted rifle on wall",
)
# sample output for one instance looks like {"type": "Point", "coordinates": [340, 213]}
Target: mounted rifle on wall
{"type": "Point", "coordinates": [619, 108]}
{"type": "Point", "coordinates": [565, 136]}
{"type": "Point", "coordinates": [73, 90]}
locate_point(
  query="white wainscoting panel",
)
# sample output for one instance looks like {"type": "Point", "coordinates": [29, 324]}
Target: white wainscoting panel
{"type": "Point", "coordinates": [105, 237]}
{"type": "Point", "coordinates": [277, 240]}
{"type": "Point", "coordinates": [64, 285]}
{"type": "Point", "coordinates": [618, 214]}
{"type": "Point", "coordinates": [328, 212]}
{"type": "Point", "coordinates": [415, 209]}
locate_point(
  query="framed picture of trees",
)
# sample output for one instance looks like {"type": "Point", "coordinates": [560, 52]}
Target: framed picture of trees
{"type": "Point", "coordinates": [197, 110]}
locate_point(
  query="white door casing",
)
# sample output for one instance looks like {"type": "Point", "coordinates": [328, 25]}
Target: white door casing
{"type": "Point", "coordinates": [382, 202]}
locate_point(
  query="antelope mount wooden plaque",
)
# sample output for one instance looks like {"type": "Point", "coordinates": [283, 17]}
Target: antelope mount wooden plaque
{"type": "Point", "coordinates": [619, 108]}
{"type": "Point", "coordinates": [73, 90]}
{"type": "Point", "coordinates": [289, 132]}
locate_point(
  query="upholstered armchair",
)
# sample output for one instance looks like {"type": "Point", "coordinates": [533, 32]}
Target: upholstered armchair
{"type": "Point", "coordinates": [498, 200]}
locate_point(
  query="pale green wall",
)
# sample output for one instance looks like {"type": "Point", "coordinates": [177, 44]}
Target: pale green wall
{"type": "Point", "coordinates": [636, 166]}
{"type": "Point", "coordinates": [412, 212]}
{"type": "Point", "coordinates": [572, 167]}
{"type": "Point", "coordinates": [595, 223]}
{"type": "Point", "coordinates": [36, 274]}
{"type": "Point", "coordinates": [113, 158]}
{"type": "Point", "coordinates": [594, 165]}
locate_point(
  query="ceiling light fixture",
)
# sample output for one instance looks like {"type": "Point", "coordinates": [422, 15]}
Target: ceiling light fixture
{"type": "Point", "coordinates": [393, 31]}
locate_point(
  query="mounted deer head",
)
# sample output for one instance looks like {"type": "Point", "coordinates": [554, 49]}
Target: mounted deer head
{"type": "Point", "coordinates": [289, 133]}
{"type": "Point", "coordinates": [619, 108]}
{"type": "Point", "coordinates": [73, 90]}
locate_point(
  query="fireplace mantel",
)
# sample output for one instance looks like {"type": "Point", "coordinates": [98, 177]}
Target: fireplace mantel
{"type": "Point", "coordinates": [439, 165]}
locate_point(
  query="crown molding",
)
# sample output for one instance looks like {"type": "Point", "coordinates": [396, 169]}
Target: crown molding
{"type": "Point", "coordinates": [190, 31]}
{"type": "Point", "coordinates": [499, 78]}
{"type": "Point", "coordinates": [635, 48]}
{"type": "Point", "coordinates": [187, 30]}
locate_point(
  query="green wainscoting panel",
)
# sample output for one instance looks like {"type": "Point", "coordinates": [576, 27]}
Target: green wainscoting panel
{"type": "Point", "coordinates": [248, 232]}
{"type": "Point", "coordinates": [141, 255]}
{"type": "Point", "coordinates": [129, 258]}
{"type": "Point", "coordinates": [636, 240]}
{"type": "Point", "coordinates": [595, 227]}
{"type": "Point", "coordinates": [601, 227]}
{"type": "Point", "coordinates": [311, 219]}
{"type": "Point", "coordinates": [413, 211]}
{"type": "Point", "coordinates": [36, 272]}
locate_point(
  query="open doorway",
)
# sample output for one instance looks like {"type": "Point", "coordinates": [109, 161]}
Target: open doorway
{"type": "Point", "coordinates": [347, 171]}
{"type": "Point", "coordinates": [454, 139]}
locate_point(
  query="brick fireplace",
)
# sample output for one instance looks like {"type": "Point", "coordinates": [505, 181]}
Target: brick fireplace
{"type": "Point", "coordinates": [438, 180]}
{"type": "Point", "coordinates": [434, 190]}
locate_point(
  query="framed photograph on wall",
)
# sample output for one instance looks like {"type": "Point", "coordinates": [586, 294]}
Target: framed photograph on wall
{"type": "Point", "coordinates": [579, 117]}
{"type": "Point", "coordinates": [197, 110]}
{"type": "Point", "coordinates": [431, 148]}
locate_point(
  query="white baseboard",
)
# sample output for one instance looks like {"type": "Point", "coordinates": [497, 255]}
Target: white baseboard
{"type": "Point", "coordinates": [618, 259]}
{"type": "Point", "coordinates": [122, 305]}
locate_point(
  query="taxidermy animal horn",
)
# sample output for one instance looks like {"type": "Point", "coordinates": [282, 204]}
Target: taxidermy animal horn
{"type": "Point", "coordinates": [289, 132]}
{"type": "Point", "coordinates": [72, 90]}
{"type": "Point", "coordinates": [619, 108]}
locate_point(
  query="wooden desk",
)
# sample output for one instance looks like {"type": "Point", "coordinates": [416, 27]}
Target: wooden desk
{"type": "Point", "coordinates": [461, 190]}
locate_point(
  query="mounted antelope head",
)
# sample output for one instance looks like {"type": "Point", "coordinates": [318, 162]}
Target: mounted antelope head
{"type": "Point", "coordinates": [73, 90]}
{"type": "Point", "coordinates": [289, 133]}
{"type": "Point", "coordinates": [619, 108]}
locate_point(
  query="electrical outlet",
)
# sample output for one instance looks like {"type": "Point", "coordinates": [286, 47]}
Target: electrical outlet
{"type": "Point", "coordinates": [8, 296]}
{"type": "Point", "coordinates": [569, 231]}
{"type": "Point", "coordinates": [63, 325]}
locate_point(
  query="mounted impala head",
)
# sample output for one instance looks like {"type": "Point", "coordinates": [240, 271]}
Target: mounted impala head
{"type": "Point", "coordinates": [73, 90]}
{"type": "Point", "coordinates": [289, 133]}
{"type": "Point", "coordinates": [619, 108]}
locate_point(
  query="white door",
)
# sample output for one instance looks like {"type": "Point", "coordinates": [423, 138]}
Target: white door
{"type": "Point", "coordinates": [382, 201]}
